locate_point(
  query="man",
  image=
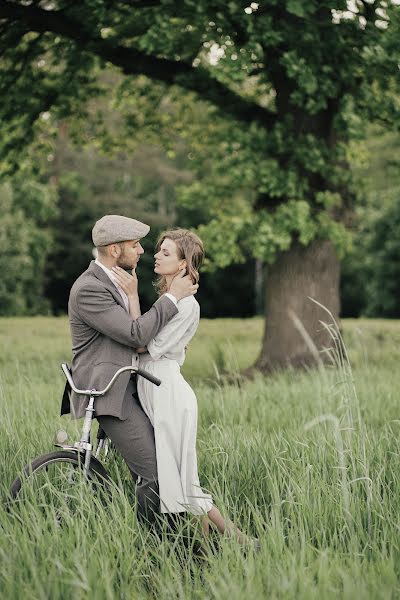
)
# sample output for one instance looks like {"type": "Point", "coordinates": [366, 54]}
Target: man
{"type": "Point", "coordinates": [104, 338]}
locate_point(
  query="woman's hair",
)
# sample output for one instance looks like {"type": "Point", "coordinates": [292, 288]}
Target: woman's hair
{"type": "Point", "coordinates": [189, 247]}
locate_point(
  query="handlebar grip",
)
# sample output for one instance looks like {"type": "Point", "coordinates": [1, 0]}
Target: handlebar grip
{"type": "Point", "coordinates": [148, 376]}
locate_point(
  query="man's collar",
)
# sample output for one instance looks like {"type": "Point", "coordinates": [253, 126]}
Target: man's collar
{"type": "Point", "coordinates": [108, 272]}
{"type": "Point", "coordinates": [101, 273]}
{"type": "Point", "coordinates": [105, 269]}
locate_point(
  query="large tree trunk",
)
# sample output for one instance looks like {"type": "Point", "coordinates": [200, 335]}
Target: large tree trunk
{"type": "Point", "coordinates": [293, 332]}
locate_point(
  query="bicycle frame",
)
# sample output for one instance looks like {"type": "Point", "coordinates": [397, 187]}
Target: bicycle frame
{"type": "Point", "coordinates": [85, 446]}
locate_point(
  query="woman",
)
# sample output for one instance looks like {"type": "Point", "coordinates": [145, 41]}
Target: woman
{"type": "Point", "coordinates": [172, 407]}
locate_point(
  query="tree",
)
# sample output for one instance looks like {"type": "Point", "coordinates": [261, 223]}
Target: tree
{"type": "Point", "coordinates": [290, 83]}
{"type": "Point", "coordinates": [25, 242]}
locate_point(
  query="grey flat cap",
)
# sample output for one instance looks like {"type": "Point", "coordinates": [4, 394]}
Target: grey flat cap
{"type": "Point", "coordinates": [111, 229]}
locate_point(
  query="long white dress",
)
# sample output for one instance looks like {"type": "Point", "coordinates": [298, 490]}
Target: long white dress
{"type": "Point", "coordinates": [172, 410]}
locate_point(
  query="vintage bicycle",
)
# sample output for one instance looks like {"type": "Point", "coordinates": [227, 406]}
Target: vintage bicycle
{"type": "Point", "coordinates": [55, 474]}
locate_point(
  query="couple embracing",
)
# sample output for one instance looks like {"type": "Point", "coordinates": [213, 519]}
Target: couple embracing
{"type": "Point", "coordinates": [154, 428]}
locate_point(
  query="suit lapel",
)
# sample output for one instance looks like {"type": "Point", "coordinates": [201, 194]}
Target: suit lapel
{"type": "Point", "coordinates": [104, 278]}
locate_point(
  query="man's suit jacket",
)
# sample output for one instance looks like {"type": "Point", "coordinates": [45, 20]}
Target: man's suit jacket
{"type": "Point", "coordinates": [104, 337]}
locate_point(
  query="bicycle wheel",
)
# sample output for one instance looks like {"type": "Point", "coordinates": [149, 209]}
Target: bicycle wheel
{"type": "Point", "coordinates": [57, 483]}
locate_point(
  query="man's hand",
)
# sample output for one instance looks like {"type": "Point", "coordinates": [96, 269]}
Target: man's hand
{"type": "Point", "coordinates": [183, 286]}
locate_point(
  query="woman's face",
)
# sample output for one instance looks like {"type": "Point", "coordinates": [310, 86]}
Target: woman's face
{"type": "Point", "coordinates": [166, 259]}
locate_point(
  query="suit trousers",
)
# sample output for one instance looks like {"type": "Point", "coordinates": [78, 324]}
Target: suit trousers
{"type": "Point", "coordinates": [133, 437]}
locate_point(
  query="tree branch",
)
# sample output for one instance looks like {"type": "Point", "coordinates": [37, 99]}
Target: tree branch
{"type": "Point", "coordinates": [135, 62]}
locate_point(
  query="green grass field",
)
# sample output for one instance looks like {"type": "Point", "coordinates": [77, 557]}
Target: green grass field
{"type": "Point", "coordinates": [308, 462]}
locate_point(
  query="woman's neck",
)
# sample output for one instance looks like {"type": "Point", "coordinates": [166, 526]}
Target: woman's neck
{"type": "Point", "coordinates": [168, 280]}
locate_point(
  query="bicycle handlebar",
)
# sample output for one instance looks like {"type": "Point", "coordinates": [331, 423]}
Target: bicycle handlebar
{"type": "Point", "coordinates": [96, 393]}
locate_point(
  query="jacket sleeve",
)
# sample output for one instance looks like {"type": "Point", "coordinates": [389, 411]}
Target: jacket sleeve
{"type": "Point", "coordinates": [98, 309]}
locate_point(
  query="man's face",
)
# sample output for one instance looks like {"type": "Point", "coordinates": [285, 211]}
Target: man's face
{"type": "Point", "coordinates": [130, 254]}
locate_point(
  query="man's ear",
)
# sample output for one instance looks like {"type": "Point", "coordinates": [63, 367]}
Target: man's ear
{"type": "Point", "coordinates": [115, 250]}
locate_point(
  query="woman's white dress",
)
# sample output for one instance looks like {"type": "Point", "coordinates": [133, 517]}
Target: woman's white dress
{"type": "Point", "coordinates": [172, 410]}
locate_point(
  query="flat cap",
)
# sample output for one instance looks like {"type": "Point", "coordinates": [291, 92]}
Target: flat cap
{"type": "Point", "coordinates": [111, 229]}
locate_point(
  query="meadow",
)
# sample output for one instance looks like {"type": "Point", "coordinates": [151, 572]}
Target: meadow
{"type": "Point", "coordinates": [306, 461]}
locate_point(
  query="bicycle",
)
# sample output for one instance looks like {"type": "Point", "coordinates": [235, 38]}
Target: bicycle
{"type": "Point", "coordinates": [57, 472]}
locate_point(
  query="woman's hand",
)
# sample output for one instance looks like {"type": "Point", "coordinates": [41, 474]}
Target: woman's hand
{"type": "Point", "coordinates": [129, 283]}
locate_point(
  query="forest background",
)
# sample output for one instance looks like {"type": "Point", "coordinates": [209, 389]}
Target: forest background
{"type": "Point", "coordinates": [81, 139]}
{"type": "Point", "coordinates": [48, 213]}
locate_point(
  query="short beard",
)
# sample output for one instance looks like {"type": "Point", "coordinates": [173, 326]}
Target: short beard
{"type": "Point", "coordinates": [121, 261]}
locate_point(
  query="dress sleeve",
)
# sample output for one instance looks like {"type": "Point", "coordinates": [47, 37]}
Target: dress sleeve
{"type": "Point", "coordinates": [177, 333]}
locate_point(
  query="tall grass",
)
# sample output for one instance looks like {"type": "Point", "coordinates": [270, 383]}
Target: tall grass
{"type": "Point", "coordinates": [308, 462]}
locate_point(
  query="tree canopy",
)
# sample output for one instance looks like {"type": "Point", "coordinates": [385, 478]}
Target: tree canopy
{"type": "Point", "coordinates": [292, 82]}
{"type": "Point", "coordinates": [287, 86]}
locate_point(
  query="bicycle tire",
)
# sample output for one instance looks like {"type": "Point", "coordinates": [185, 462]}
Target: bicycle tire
{"type": "Point", "coordinates": [96, 473]}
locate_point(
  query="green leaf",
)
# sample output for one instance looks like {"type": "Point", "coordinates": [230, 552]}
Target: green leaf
{"type": "Point", "coordinates": [296, 7]}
